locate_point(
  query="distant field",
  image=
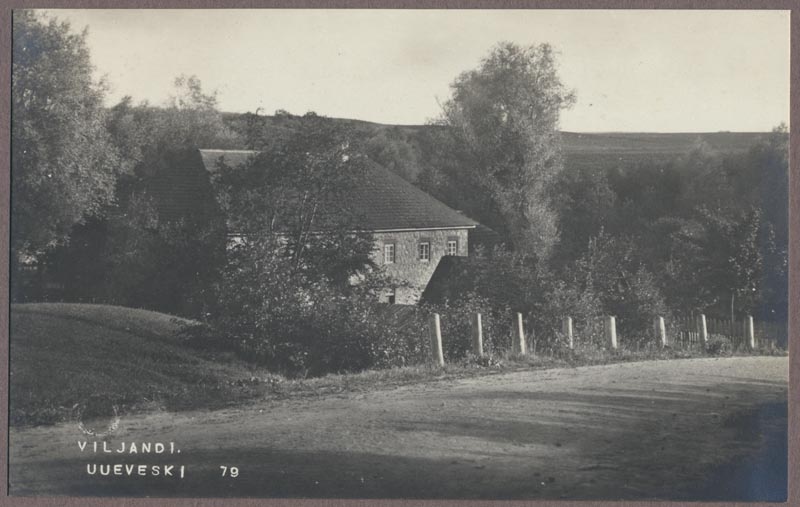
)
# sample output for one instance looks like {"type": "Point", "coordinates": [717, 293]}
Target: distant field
{"type": "Point", "coordinates": [657, 143]}
{"type": "Point", "coordinates": [61, 354]}
{"type": "Point", "coordinates": [627, 151]}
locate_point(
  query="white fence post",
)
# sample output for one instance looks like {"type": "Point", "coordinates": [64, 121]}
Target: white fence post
{"type": "Point", "coordinates": [519, 341]}
{"type": "Point", "coordinates": [703, 329]}
{"type": "Point", "coordinates": [611, 331]}
{"type": "Point", "coordinates": [436, 339]}
{"type": "Point", "coordinates": [477, 335]}
{"type": "Point", "coordinates": [661, 330]}
{"type": "Point", "coordinates": [567, 325]}
{"type": "Point", "coordinates": [751, 334]}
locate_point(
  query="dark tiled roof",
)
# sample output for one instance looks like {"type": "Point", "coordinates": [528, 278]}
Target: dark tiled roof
{"type": "Point", "coordinates": [180, 188]}
{"type": "Point", "coordinates": [232, 158]}
{"type": "Point", "coordinates": [484, 237]}
{"type": "Point", "coordinates": [383, 200]}
{"type": "Point", "coordinates": [449, 281]}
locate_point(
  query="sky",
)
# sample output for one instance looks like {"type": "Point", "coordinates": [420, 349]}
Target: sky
{"type": "Point", "coordinates": [632, 71]}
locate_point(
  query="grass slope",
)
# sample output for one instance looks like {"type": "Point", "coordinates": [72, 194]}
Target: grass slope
{"type": "Point", "coordinates": [62, 354]}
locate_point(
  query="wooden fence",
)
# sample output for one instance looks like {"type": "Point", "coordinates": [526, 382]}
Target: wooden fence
{"type": "Point", "coordinates": [687, 332]}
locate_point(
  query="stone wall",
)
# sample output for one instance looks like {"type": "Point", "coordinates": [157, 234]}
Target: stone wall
{"type": "Point", "coordinates": [407, 265]}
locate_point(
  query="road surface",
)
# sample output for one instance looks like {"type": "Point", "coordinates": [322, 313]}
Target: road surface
{"type": "Point", "coordinates": [698, 428]}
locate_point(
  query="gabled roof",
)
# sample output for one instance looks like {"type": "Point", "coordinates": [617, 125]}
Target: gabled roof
{"type": "Point", "coordinates": [383, 200]}
{"type": "Point", "coordinates": [231, 158]}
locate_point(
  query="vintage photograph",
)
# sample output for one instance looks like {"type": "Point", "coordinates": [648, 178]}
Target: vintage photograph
{"type": "Point", "coordinates": [399, 254]}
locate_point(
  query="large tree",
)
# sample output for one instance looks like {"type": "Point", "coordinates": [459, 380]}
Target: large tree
{"type": "Point", "coordinates": [504, 117]}
{"type": "Point", "coordinates": [63, 164]}
{"type": "Point", "coordinates": [287, 296]}
{"type": "Point", "coordinates": [168, 262]}
{"type": "Point", "coordinates": [298, 193]}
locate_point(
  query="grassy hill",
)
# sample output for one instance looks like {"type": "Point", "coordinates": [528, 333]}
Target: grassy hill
{"type": "Point", "coordinates": [63, 354]}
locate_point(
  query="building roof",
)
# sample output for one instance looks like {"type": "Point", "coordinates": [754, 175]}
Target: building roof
{"type": "Point", "coordinates": [450, 280]}
{"type": "Point", "coordinates": [231, 158]}
{"type": "Point", "coordinates": [383, 200]}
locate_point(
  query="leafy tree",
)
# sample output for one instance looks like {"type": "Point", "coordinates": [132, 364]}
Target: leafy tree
{"type": "Point", "coordinates": [393, 150]}
{"type": "Point", "coordinates": [612, 270]}
{"type": "Point", "coordinates": [63, 164]}
{"type": "Point", "coordinates": [188, 120]}
{"type": "Point", "coordinates": [586, 205]}
{"type": "Point", "coordinates": [724, 259]}
{"type": "Point", "coordinates": [299, 192]}
{"type": "Point", "coordinates": [503, 282]}
{"type": "Point", "coordinates": [167, 262]}
{"type": "Point", "coordinates": [299, 289]}
{"type": "Point", "coordinates": [166, 265]}
{"type": "Point", "coordinates": [728, 244]}
{"type": "Point", "coordinates": [506, 146]}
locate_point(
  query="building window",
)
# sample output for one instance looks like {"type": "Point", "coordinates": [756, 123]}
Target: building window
{"type": "Point", "coordinates": [452, 247]}
{"type": "Point", "coordinates": [388, 253]}
{"type": "Point", "coordinates": [425, 251]}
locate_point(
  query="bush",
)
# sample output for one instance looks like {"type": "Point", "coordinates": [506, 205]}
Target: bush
{"type": "Point", "coordinates": [456, 322]}
{"type": "Point", "coordinates": [623, 286]}
{"type": "Point", "coordinates": [586, 311]}
{"type": "Point", "coordinates": [301, 324]}
{"type": "Point", "coordinates": [718, 345]}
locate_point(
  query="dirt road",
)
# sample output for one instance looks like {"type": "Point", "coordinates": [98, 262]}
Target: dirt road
{"type": "Point", "coordinates": [661, 429]}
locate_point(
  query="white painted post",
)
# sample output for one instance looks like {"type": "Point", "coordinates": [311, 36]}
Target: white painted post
{"type": "Point", "coordinates": [703, 329]}
{"type": "Point", "coordinates": [477, 335]}
{"type": "Point", "coordinates": [611, 331]}
{"type": "Point", "coordinates": [661, 330]}
{"type": "Point", "coordinates": [567, 325]}
{"type": "Point", "coordinates": [436, 339]}
{"type": "Point", "coordinates": [519, 343]}
{"type": "Point", "coordinates": [751, 333]}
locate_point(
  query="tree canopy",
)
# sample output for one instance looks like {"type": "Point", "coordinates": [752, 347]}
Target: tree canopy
{"type": "Point", "coordinates": [64, 166]}
{"type": "Point", "coordinates": [505, 143]}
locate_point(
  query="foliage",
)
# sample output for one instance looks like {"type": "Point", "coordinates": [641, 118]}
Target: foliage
{"type": "Point", "coordinates": [298, 194]}
{"type": "Point", "coordinates": [64, 165]}
{"type": "Point", "coordinates": [583, 304]}
{"type": "Point", "coordinates": [188, 120]}
{"type": "Point", "coordinates": [456, 324]}
{"type": "Point", "coordinates": [708, 227]}
{"type": "Point", "coordinates": [170, 266]}
{"type": "Point", "coordinates": [718, 345]}
{"type": "Point", "coordinates": [586, 205]}
{"type": "Point", "coordinates": [500, 283]}
{"type": "Point", "coordinates": [135, 255]}
{"type": "Point", "coordinates": [299, 290]}
{"type": "Point", "coordinates": [503, 119]}
{"type": "Point", "coordinates": [393, 150]}
{"type": "Point", "coordinates": [624, 287]}
{"type": "Point", "coordinates": [134, 259]}
{"type": "Point", "coordinates": [301, 325]}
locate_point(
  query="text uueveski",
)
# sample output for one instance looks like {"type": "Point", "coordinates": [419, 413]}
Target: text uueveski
{"type": "Point", "coordinates": [132, 469]}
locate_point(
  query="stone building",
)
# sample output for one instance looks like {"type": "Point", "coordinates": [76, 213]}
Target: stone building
{"type": "Point", "coordinates": [412, 230]}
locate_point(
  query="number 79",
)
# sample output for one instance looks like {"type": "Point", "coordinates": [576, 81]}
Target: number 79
{"type": "Point", "coordinates": [231, 471]}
